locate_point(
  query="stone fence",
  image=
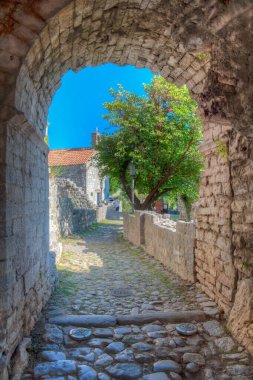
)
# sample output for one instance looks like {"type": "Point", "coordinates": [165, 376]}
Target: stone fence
{"type": "Point", "coordinates": [73, 220]}
{"type": "Point", "coordinates": [173, 247]}
{"type": "Point", "coordinates": [108, 212]}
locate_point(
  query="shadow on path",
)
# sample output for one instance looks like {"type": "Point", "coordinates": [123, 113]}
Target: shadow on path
{"type": "Point", "coordinates": [100, 273]}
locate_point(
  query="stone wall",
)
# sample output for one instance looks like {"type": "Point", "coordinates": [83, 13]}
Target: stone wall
{"type": "Point", "coordinates": [26, 267]}
{"type": "Point", "coordinates": [214, 257]}
{"type": "Point", "coordinates": [85, 176]}
{"type": "Point", "coordinates": [241, 171]}
{"type": "Point", "coordinates": [76, 173]}
{"type": "Point", "coordinates": [69, 189]}
{"type": "Point", "coordinates": [108, 212]}
{"type": "Point", "coordinates": [224, 259]}
{"type": "Point", "coordinates": [174, 248]}
{"type": "Point", "coordinates": [70, 210]}
{"type": "Point", "coordinates": [67, 34]}
{"type": "Point", "coordinates": [74, 220]}
{"type": "Point", "coordinates": [223, 254]}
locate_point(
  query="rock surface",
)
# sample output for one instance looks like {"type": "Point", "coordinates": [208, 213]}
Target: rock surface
{"type": "Point", "coordinates": [213, 328]}
{"type": "Point", "coordinates": [167, 365]}
{"type": "Point", "coordinates": [125, 371]}
{"type": "Point", "coordinates": [86, 373]}
{"type": "Point", "coordinates": [60, 367]}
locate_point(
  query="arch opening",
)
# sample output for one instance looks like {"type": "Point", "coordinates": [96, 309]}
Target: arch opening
{"type": "Point", "coordinates": [142, 34]}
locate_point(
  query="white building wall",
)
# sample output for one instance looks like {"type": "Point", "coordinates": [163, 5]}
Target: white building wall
{"type": "Point", "coordinates": [93, 184]}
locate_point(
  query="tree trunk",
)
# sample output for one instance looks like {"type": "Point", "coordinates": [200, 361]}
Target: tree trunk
{"type": "Point", "coordinates": [127, 189]}
{"type": "Point", "coordinates": [153, 194]}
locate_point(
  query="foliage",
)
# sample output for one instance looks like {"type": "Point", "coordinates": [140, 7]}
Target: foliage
{"type": "Point", "coordinates": [171, 200]}
{"type": "Point", "coordinates": [46, 139]}
{"type": "Point", "coordinates": [189, 193]}
{"type": "Point", "coordinates": [125, 202]}
{"type": "Point", "coordinates": [56, 171]}
{"type": "Point", "coordinates": [187, 204]}
{"type": "Point", "coordinates": [115, 185]}
{"type": "Point", "coordinates": [246, 265]}
{"type": "Point", "coordinates": [161, 132]}
{"type": "Point", "coordinates": [222, 149]}
{"type": "Point", "coordinates": [201, 56]}
{"type": "Point", "coordinates": [116, 189]}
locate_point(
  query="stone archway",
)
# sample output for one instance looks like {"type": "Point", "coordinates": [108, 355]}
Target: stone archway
{"type": "Point", "coordinates": [188, 42]}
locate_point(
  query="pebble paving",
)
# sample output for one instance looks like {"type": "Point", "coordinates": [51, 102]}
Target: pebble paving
{"type": "Point", "coordinates": [100, 273]}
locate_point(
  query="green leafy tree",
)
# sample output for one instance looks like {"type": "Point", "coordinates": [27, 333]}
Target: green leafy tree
{"type": "Point", "coordinates": [161, 132]}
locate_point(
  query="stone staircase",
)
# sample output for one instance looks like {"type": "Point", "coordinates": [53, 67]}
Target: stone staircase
{"type": "Point", "coordinates": [143, 346]}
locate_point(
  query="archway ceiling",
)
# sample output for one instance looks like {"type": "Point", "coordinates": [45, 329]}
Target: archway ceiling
{"type": "Point", "coordinates": [207, 45]}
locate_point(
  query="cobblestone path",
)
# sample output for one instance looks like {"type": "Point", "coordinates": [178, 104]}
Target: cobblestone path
{"type": "Point", "coordinates": [101, 274]}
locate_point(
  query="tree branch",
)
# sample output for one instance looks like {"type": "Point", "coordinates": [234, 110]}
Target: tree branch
{"type": "Point", "coordinates": [183, 156]}
{"type": "Point", "coordinates": [163, 192]}
{"type": "Point", "coordinates": [154, 193]}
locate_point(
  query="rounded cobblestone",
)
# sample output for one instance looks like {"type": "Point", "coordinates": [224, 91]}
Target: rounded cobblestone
{"type": "Point", "coordinates": [90, 269]}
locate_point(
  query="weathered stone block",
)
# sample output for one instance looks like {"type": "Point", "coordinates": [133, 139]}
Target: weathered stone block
{"type": "Point", "coordinates": [241, 316]}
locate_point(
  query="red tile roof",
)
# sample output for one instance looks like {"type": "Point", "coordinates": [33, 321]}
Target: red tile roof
{"type": "Point", "coordinates": [69, 157]}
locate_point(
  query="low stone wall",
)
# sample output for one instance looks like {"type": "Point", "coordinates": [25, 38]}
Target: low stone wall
{"type": "Point", "coordinates": [174, 248]}
{"type": "Point", "coordinates": [109, 213]}
{"type": "Point", "coordinates": [112, 214]}
{"type": "Point", "coordinates": [132, 228]}
{"type": "Point", "coordinates": [74, 220]}
{"type": "Point", "coordinates": [101, 213]}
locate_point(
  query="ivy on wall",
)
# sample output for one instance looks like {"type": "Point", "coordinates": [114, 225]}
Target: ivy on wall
{"type": "Point", "coordinates": [222, 149]}
{"type": "Point", "coordinates": [56, 171]}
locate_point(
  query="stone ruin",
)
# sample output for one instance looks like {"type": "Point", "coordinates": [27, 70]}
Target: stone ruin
{"type": "Point", "coordinates": [70, 210]}
{"type": "Point", "coordinates": [207, 46]}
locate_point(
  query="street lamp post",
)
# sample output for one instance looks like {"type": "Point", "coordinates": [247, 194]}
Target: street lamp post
{"type": "Point", "coordinates": [132, 174]}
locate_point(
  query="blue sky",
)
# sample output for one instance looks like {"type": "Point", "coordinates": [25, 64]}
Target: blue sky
{"type": "Point", "coordinates": [77, 106]}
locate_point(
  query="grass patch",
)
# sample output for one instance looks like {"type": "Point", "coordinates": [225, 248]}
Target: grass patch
{"type": "Point", "coordinates": [152, 267]}
{"type": "Point", "coordinates": [160, 275]}
{"type": "Point", "coordinates": [66, 285]}
{"type": "Point", "coordinates": [119, 238]}
{"type": "Point", "coordinates": [154, 271]}
{"type": "Point", "coordinates": [175, 217]}
{"type": "Point", "coordinates": [93, 227]}
{"type": "Point", "coordinates": [112, 222]}
{"type": "Point", "coordinates": [227, 330]}
{"type": "Point", "coordinates": [202, 56]}
{"type": "Point", "coordinates": [66, 258]}
{"type": "Point", "coordinates": [71, 239]}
